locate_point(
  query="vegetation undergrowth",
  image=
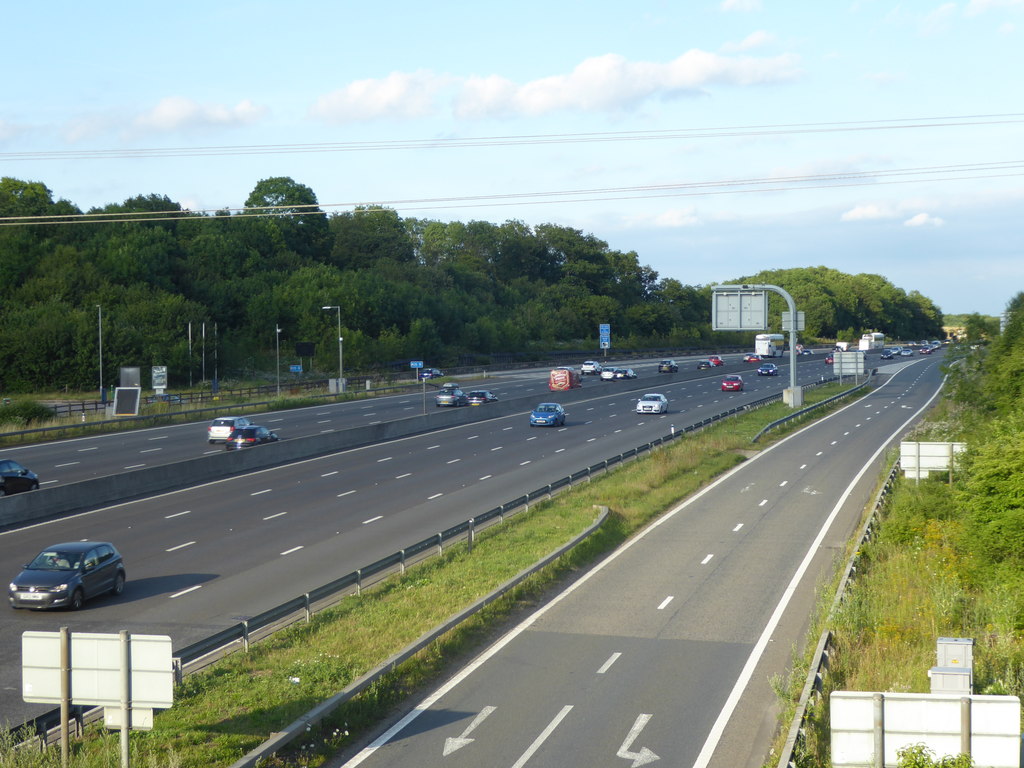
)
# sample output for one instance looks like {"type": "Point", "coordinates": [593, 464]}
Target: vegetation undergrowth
{"type": "Point", "coordinates": [946, 560]}
{"type": "Point", "coordinates": [222, 713]}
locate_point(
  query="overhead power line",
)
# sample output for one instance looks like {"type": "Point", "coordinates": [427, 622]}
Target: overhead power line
{"type": "Point", "coordinates": [671, 134]}
{"type": "Point", "coordinates": [681, 189]}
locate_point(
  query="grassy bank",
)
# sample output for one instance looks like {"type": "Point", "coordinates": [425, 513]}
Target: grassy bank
{"type": "Point", "coordinates": [221, 714]}
{"type": "Point", "coordinates": [921, 577]}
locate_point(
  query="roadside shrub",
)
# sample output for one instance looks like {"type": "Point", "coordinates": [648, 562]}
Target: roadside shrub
{"type": "Point", "coordinates": [24, 413]}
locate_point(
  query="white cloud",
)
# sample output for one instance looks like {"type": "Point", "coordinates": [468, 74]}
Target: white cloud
{"type": "Point", "coordinates": [8, 130]}
{"type": "Point", "coordinates": [611, 83]}
{"type": "Point", "coordinates": [678, 217]}
{"type": "Point", "coordinates": [923, 220]}
{"type": "Point", "coordinates": [867, 213]}
{"type": "Point", "coordinates": [938, 21]}
{"type": "Point", "coordinates": [753, 40]}
{"type": "Point", "coordinates": [175, 113]}
{"type": "Point", "coordinates": [399, 95]}
{"type": "Point", "coordinates": [975, 7]}
{"type": "Point", "coordinates": [741, 5]}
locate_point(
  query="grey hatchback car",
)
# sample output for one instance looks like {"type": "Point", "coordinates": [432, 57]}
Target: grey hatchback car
{"type": "Point", "coordinates": [66, 575]}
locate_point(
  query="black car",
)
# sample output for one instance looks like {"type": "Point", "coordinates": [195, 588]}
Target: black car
{"type": "Point", "coordinates": [15, 478]}
{"type": "Point", "coordinates": [703, 364]}
{"type": "Point", "coordinates": [481, 396]}
{"type": "Point", "coordinates": [66, 575]}
{"type": "Point", "coordinates": [668, 366]}
{"type": "Point", "coordinates": [246, 437]}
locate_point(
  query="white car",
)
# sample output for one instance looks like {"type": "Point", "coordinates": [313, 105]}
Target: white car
{"type": "Point", "coordinates": [220, 429]}
{"type": "Point", "coordinates": [590, 367]}
{"type": "Point", "coordinates": [652, 403]}
{"type": "Point", "coordinates": [607, 374]}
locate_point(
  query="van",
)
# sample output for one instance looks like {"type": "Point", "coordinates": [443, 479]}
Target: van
{"type": "Point", "coordinates": [561, 379]}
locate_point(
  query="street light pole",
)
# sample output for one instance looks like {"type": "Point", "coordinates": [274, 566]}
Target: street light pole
{"type": "Point", "coordinates": [277, 340]}
{"type": "Point", "coordinates": [99, 321]}
{"type": "Point", "coordinates": [341, 359]}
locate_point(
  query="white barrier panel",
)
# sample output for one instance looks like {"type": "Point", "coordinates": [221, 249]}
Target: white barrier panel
{"type": "Point", "coordinates": [929, 718]}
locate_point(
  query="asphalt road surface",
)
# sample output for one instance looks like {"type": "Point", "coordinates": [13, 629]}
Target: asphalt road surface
{"type": "Point", "coordinates": [201, 559]}
{"type": "Point", "coordinates": [665, 650]}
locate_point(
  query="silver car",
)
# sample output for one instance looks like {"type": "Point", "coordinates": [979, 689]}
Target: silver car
{"type": "Point", "coordinates": [220, 429]}
{"type": "Point", "coordinates": [652, 403]}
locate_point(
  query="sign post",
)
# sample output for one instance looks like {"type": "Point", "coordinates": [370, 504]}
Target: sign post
{"type": "Point", "coordinates": [416, 365]}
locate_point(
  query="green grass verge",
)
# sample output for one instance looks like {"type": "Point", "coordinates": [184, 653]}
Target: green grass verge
{"type": "Point", "coordinates": [221, 714]}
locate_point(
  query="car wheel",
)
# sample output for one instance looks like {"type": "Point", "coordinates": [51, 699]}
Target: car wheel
{"type": "Point", "coordinates": [35, 486]}
{"type": "Point", "coordinates": [3, 490]}
{"type": "Point", "coordinates": [118, 587]}
{"type": "Point", "coordinates": [76, 600]}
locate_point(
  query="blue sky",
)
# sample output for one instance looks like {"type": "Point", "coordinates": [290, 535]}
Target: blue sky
{"type": "Point", "coordinates": [715, 139]}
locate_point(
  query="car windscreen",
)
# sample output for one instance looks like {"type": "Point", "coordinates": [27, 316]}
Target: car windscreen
{"type": "Point", "coordinates": [55, 560]}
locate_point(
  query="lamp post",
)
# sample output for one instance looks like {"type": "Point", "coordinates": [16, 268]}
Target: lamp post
{"type": "Point", "coordinates": [99, 322]}
{"type": "Point", "coordinates": [277, 339]}
{"type": "Point", "coordinates": [341, 359]}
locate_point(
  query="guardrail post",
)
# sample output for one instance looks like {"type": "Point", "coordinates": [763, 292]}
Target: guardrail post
{"type": "Point", "coordinates": [306, 605]}
{"type": "Point", "coordinates": [401, 552]}
{"type": "Point", "coordinates": [359, 581]}
{"type": "Point", "coordinates": [176, 671]}
{"type": "Point", "coordinates": [501, 514]}
{"type": "Point", "coordinates": [472, 535]}
{"type": "Point", "coordinates": [440, 545]}
{"type": "Point", "coordinates": [245, 635]}
{"type": "Point", "coordinates": [878, 707]}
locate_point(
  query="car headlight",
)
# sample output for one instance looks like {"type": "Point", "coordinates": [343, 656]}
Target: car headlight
{"type": "Point", "coordinates": [59, 588]}
{"type": "Point", "coordinates": [12, 587]}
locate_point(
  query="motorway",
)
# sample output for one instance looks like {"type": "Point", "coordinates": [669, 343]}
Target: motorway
{"type": "Point", "coordinates": [665, 650]}
{"type": "Point", "coordinates": [201, 559]}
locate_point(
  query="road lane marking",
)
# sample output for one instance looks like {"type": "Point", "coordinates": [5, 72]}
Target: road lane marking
{"type": "Point", "coordinates": [82, 450]}
{"type": "Point", "coordinates": [454, 461]}
{"type": "Point", "coordinates": [260, 493]}
{"type": "Point", "coordinates": [783, 483]}
{"type": "Point", "coordinates": [737, 527]}
{"type": "Point", "coordinates": [435, 496]}
{"type": "Point", "coordinates": [608, 664]}
{"type": "Point", "coordinates": [276, 514]}
{"type": "Point", "coordinates": [373, 519]}
{"type": "Point", "coordinates": [542, 737]}
{"type": "Point", "coordinates": [399, 477]}
{"type": "Point", "coordinates": [665, 602]}
{"type": "Point", "coordinates": [134, 466]}
{"type": "Point", "coordinates": [150, 450]}
{"type": "Point", "coordinates": [328, 474]}
{"type": "Point", "coordinates": [386, 458]}
{"type": "Point", "coordinates": [486, 477]}
{"type": "Point", "coordinates": [346, 493]}
{"type": "Point", "coordinates": [763, 502]}
{"type": "Point", "coordinates": [524, 463]}
{"type": "Point", "coordinates": [185, 591]}
{"type": "Point", "coordinates": [293, 549]}
{"type": "Point", "coordinates": [177, 514]}
{"type": "Point", "coordinates": [706, 560]}
{"type": "Point", "coordinates": [160, 437]}
{"type": "Point", "coordinates": [180, 546]}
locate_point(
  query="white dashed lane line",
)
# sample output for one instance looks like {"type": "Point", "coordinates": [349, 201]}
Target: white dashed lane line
{"type": "Point", "coordinates": [180, 546]}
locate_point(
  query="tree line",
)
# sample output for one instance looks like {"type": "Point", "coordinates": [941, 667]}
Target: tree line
{"type": "Point", "coordinates": [408, 288]}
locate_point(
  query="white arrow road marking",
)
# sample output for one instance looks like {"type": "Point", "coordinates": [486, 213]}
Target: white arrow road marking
{"type": "Point", "coordinates": [452, 743]}
{"type": "Point", "coordinates": [644, 756]}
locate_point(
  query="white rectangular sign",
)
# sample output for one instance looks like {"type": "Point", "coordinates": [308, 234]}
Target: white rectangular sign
{"type": "Point", "coordinates": [929, 718]}
{"type": "Point", "coordinates": [96, 669]}
{"type": "Point", "coordinates": [739, 310]}
{"type": "Point", "coordinates": [918, 459]}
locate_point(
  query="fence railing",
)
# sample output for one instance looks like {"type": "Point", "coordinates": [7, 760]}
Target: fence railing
{"type": "Point", "coordinates": [239, 636]}
{"type": "Point", "coordinates": [815, 682]}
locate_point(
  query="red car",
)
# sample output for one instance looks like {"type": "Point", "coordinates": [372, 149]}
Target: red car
{"type": "Point", "coordinates": [732, 384]}
{"type": "Point", "coordinates": [716, 360]}
{"type": "Point", "coordinates": [752, 358]}
{"type": "Point", "coordinates": [829, 360]}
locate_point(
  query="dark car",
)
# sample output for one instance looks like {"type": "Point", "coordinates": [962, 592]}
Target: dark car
{"type": "Point", "coordinates": [247, 437]}
{"type": "Point", "coordinates": [668, 366]}
{"type": "Point", "coordinates": [66, 575]}
{"type": "Point", "coordinates": [481, 396]}
{"type": "Point", "coordinates": [16, 478]}
{"type": "Point", "coordinates": [768, 369]}
{"type": "Point", "coordinates": [431, 373]}
{"type": "Point", "coordinates": [547, 415]}
{"type": "Point", "coordinates": [703, 364]}
{"type": "Point", "coordinates": [887, 354]}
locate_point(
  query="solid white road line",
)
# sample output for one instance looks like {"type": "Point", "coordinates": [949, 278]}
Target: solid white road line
{"type": "Point", "coordinates": [608, 664]}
